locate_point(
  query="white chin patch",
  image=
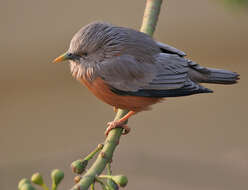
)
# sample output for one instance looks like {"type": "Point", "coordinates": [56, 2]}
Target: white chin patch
{"type": "Point", "coordinates": [76, 69]}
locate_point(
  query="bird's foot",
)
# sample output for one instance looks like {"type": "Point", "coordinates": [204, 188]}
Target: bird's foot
{"type": "Point", "coordinates": [117, 124]}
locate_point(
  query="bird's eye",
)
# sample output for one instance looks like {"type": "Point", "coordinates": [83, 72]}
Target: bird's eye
{"type": "Point", "coordinates": [84, 54]}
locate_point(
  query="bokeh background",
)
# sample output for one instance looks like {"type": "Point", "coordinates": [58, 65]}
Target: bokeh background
{"type": "Point", "coordinates": [48, 119]}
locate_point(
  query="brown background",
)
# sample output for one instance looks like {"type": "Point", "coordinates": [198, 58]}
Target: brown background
{"type": "Point", "coordinates": [48, 119]}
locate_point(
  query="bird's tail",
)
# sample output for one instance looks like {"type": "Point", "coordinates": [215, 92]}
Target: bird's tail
{"type": "Point", "coordinates": [210, 75]}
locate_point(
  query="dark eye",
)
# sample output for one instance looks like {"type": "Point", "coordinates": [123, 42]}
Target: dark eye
{"type": "Point", "coordinates": [85, 54]}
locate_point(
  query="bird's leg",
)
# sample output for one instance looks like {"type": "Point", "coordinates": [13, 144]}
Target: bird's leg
{"type": "Point", "coordinates": [120, 123]}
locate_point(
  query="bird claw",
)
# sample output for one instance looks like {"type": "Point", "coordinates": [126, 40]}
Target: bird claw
{"type": "Point", "coordinates": [117, 124]}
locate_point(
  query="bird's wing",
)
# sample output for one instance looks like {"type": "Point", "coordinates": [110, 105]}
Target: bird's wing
{"type": "Point", "coordinates": [165, 48]}
{"type": "Point", "coordinates": [171, 72]}
{"type": "Point", "coordinates": [168, 77]}
{"type": "Point", "coordinates": [172, 79]}
{"type": "Point", "coordinates": [126, 73]}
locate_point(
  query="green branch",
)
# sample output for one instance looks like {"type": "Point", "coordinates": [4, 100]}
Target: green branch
{"type": "Point", "coordinates": [148, 26]}
{"type": "Point", "coordinates": [150, 17]}
{"type": "Point", "coordinates": [104, 157]}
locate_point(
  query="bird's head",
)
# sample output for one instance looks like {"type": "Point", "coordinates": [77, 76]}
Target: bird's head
{"type": "Point", "coordinates": [91, 44]}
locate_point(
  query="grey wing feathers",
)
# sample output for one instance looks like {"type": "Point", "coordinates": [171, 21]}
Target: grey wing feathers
{"type": "Point", "coordinates": [188, 89]}
{"type": "Point", "coordinates": [125, 73]}
{"type": "Point", "coordinates": [172, 72]}
{"type": "Point", "coordinates": [171, 79]}
{"type": "Point", "coordinates": [165, 48]}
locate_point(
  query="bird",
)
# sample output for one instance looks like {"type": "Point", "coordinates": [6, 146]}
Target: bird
{"type": "Point", "coordinates": [129, 70]}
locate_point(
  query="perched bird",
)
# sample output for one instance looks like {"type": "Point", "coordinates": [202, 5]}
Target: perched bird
{"type": "Point", "coordinates": [129, 70]}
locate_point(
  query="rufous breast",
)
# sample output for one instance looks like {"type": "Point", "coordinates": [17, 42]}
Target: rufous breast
{"type": "Point", "coordinates": [133, 103]}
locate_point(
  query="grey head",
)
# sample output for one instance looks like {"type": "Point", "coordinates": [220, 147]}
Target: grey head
{"type": "Point", "coordinates": [91, 45]}
{"type": "Point", "coordinates": [92, 41]}
{"type": "Point", "coordinates": [99, 40]}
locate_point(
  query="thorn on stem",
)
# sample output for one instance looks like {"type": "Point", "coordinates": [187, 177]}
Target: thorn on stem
{"type": "Point", "coordinates": [103, 155]}
{"type": "Point", "coordinates": [100, 146]}
{"type": "Point", "coordinates": [77, 179]}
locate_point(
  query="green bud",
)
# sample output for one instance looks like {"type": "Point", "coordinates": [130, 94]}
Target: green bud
{"type": "Point", "coordinates": [27, 186]}
{"type": "Point", "coordinates": [22, 182]}
{"type": "Point", "coordinates": [79, 166]}
{"type": "Point", "coordinates": [37, 179]}
{"type": "Point", "coordinates": [57, 176]}
{"type": "Point", "coordinates": [112, 185]}
{"type": "Point", "coordinates": [121, 180]}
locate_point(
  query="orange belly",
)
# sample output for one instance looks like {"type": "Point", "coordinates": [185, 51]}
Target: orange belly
{"type": "Point", "coordinates": [133, 103]}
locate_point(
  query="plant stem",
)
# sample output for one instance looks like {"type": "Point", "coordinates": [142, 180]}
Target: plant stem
{"type": "Point", "coordinates": [109, 172]}
{"type": "Point", "coordinates": [150, 17]}
{"type": "Point", "coordinates": [93, 153]}
{"type": "Point", "coordinates": [104, 157]}
{"type": "Point", "coordinates": [54, 186]}
{"type": "Point", "coordinates": [148, 26]}
{"type": "Point", "coordinates": [92, 186]}
{"type": "Point", "coordinates": [44, 186]}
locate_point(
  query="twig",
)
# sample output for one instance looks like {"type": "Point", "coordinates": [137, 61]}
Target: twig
{"type": "Point", "coordinates": [103, 158]}
{"type": "Point", "coordinates": [150, 17]}
{"type": "Point", "coordinates": [148, 26]}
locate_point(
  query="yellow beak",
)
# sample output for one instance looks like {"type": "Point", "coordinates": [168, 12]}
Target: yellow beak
{"type": "Point", "coordinates": [61, 58]}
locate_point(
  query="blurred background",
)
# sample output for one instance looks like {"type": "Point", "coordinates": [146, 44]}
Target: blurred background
{"type": "Point", "coordinates": [48, 119]}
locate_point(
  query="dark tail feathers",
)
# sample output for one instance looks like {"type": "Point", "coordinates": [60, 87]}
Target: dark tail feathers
{"type": "Point", "coordinates": [210, 75]}
{"type": "Point", "coordinates": [220, 76]}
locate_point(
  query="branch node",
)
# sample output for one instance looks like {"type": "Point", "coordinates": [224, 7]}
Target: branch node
{"type": "Point", "coordinates": [77, 179]}
{"type": "Point", "coordinates": [103, 155]}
